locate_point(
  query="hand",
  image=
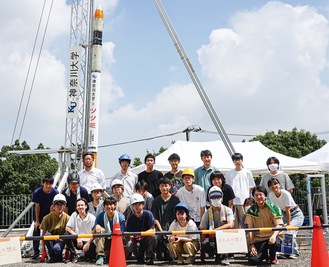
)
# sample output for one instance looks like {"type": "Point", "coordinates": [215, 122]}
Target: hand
{"type": "Point", "coordinates": [79, 243]}
{"type": "Point", "coordinates": [253, 251]}
{"type": "Point", "coordinates": [272, 240]}
{"type": "Point", "coordinates": [36, 225]}
{"type": "Point", "coordinates": [86, 247]}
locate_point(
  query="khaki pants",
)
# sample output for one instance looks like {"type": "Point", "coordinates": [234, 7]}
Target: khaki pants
{"type": "Point", "coordinates": [181, 247]}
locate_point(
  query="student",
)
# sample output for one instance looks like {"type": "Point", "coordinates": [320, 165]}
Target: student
{"type": "Point", "coordinates": [143, 189]}
{"type": "Point", "coordinates": [273, 165]}
{"type": "Point", "coordinates": [81, 222]}
{"type": "Point", "coordinates": [217, 217]}
{"type": "Point", "coordinates": [292, 214]}
{"type": "Point", "coordinates": [123, 204]}
{"type": "Point", "coordinates": [202, 174]}
{"type": "Point", "coordinates": [90, 175]}
{"type": "Point", "coordinates": [54, 224]}
{"type": "Point", "coordinates": [43, 198]}
{"type": "Point", "coordinates": [104, 224]}
{"type": "Point", "coordinates": [175, 174]}
{"type": "Point", "coordinates": [141, 221]}
{"type": "Point", "coordinates": [163, 212]}
{"type": "Point", "coordinates": [150, 175]}
{"type": "Point", "coordinates": [127, 177]}
{"type": "Point", "coordinates": [193, 196]}
{"type": "Point", "coordinates": [96, 205]}
{"type": "Point", "coordinates": [242, 182]}
{"type": "Point", "coordinates": [260, 215]}
{"type": "Point", "coordinates": [218, 179]}
{"type": "Point", "coordinates": [73, 192]}
{"type": "Point", "coordinates": [183, 244]}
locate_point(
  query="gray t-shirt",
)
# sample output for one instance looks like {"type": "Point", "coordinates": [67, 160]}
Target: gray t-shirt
{"type": "Point", "coordinates": [284, 179]}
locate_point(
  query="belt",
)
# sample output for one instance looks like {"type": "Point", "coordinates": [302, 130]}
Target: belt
{"type": "Point", "coordinates": [294, 208]}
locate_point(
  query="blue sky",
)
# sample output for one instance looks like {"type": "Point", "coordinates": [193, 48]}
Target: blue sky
{"type": "Point", "coordinates": [263, 64]}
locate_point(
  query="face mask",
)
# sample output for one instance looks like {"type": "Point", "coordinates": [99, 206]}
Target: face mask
{"type": "Point", "coordinates": [246, 208]}
{"type": "Point", "coordinates": [273, 167]}
{"type": "Point", "coordinates": [216, 202]}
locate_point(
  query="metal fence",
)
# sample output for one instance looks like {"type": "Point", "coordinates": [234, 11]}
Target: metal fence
{"type": "Point", "coordinates": [12, 206]}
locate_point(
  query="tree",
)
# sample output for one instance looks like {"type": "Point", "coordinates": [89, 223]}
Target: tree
{"type": "Point", "coordinates": [137, 161]}
{"type": "Point", "coordinates": [21, 174]}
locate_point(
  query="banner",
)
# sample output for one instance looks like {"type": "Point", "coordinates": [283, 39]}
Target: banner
{"type": "Point", "coordinates": [231, 241]}
{"type": "Point", "coordinates": [10, 251]}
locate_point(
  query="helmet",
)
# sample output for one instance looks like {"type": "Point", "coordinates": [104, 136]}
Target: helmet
{"type": "Point", "coordinates": [188, 171]}
{"type": "Point", "coordinates": [124, 157]}
{"type": "Point", "coordinates": [180, 206]}
{"type": "Point", "coordinates": [136, 198]}
{"type": "Point", "coordinates": [59, 197]}
{"type": "Point", "coordinates": [215, 191]}
{"type": "Point", "coordinates": [116, 182]}
{"type": "Point", "coordinates": [73, 178]}
{"type": "Point", "coordinates": [96, 186]}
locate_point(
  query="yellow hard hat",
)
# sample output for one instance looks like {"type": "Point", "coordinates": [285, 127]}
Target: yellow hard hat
{"type": "Point", "coordinates": [188, 171]}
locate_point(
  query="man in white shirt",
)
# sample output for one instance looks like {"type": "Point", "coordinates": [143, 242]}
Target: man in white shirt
{"type": "Point", "coordinates": [242, 182]}
{"type": "Point", "coordinates": [90, 175]}
{"type": "Point", "coordinates": [128, 178]}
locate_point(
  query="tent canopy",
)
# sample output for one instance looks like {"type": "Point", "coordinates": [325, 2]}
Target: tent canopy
{"type": "Point", "coordinates": [254, 154]}
{"type": "Point", "coordinates": [321, 156]}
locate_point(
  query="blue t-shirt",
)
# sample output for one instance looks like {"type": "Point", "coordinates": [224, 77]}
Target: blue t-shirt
{"type": "Point", "coordinates": [100, 220]}
{"type": "Point", "coordinates": [44, 200]}
{"type": "Point", "coordinates": [143, 223]}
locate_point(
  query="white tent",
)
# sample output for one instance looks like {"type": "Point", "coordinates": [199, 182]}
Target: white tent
{"type": "Point", "coordinates": [321, 156]}
{"type": "Point", "coordinates": [254, 158]}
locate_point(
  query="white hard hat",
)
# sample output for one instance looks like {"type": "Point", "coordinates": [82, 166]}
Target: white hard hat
{"type": "Point", "coordinates": [215, 191]}
{"type": "Point", "coordinates": [96, 186]}
{"type": "Point", "coordinates": [59, 197]}
{"type": "Point", "coordinates": [136, 198]}
{"type": "Point", "coordinates": [116, 182]}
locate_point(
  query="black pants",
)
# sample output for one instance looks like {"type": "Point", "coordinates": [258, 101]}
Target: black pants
{"type": "Point", "coordinates": [264, 249]}
{"type": "Point", "coordinates": [211, 248]}
{"type": "Point", "coordinates": [36, 243]}
{"type": "Point", "coordinates": [72, 245]}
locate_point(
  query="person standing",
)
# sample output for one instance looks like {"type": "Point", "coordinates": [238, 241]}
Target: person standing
{"type": "Point", "coordinates": [263, 214]}
{"type": "Point", "coordinates": [73, 192]}
{"type": "Point", "coordinates": [202, 174]}
{"type": "Point", "coordinates": [151, 176]}
{"type": "Point", "coordinates": [217, 217]}
{"type": "Point", "coordinates": [90, 175]}
{"type": "Point", "coordinates": [292, 214]}
{"type": "Point", "coordinates": [242, 182]}
{"type": "Point", "coordinates": [175, 174]}
{"type": "Point", "coordinates": [127, 177]}
{"type": "Point", "coordinates": [42, 198]}
{"type": "Point", "coordinates": [273, 165]}
{"type": "Point", "coordinates": [193, 196]}
{"type": "Point", "coordinates": [54, 224]}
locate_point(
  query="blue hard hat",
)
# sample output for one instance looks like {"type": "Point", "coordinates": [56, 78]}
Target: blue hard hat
{"type": "Point", "coordinates": [124, 157]}
{"type": "Point", "coordinates": [181, 206]}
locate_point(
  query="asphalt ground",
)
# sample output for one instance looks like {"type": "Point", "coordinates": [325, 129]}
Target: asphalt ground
{"type": "Point", "coordinates": [239, 260]}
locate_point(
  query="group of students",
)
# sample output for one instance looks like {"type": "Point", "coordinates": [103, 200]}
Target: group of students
{"type": "Point", "coordinates": [189, 200]}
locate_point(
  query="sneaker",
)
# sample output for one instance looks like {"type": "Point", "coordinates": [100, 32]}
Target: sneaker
{"type": "Point", "coordinates": [218, 259]}
{"type": "Point", "coordinates": [274, 260]}
{"type": "Point", "coordinates": [35, 256]}
{"type": "Point", "coordinates": [293, 256]}
{"type": "Point", "coordinates": [67, 255]}
{"type": "Point", "coordinates": [140, 260]}
{"type": "Point", "coordinates": [73, 258]}
{"type": "Point", "coordinates": [180, 260]}
{"type": "Point", "coordinates": [100, 260]}
{"type": "Point", "coordinates": [190, 260]}
{"type": "Point", "coordinates": [225, 262]}
{"type": "Point", "coordinates": [149, 261]}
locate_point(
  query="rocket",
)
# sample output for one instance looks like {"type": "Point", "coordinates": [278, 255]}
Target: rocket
{"type": "Point", "coordinates": [95, 80]}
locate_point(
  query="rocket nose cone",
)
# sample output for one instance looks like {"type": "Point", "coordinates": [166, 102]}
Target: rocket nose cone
{"type": "Point", "coordinates": [99, 14]}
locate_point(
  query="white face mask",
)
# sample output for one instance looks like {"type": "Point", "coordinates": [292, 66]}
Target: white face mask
{"type": "Point", "coordinates": [246, 208]}
{"type": "Point", "coordinates": [216, 202]}
{"type": "Point", "coordinates": [273, 167]}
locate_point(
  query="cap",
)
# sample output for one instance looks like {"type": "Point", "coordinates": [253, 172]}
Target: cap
{"type": "Point", "coordinates": [59, 198]}
{"type": "Point", "coordinates": [116, 182]}
{"type": "Point", "coordinates": [215, 191]}
{"type": "Point", "coordinates": [96, 186]}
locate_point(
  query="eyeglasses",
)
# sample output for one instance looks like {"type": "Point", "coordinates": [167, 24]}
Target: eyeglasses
{"type": "Point", "coordinates": [59, 203]}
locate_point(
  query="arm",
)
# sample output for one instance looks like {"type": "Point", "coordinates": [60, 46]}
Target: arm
{"type": "Point", "coordinates": [202, 211]}
{"type": "Point", "coordinates": [87, 245]}
{"type": "Point", "coordinates": [288, 215]}
{"type": "Point", "coordinates": [228, 225]}
{"type": "Point", "coordinates": [230, 203]}
{"type": "Point", "coordinates": [37, 216]}
{"type": "Point", "coordinates": [158, 225]}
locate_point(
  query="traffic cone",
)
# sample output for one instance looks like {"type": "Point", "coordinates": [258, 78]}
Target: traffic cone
{"type": "Point", "coordinates": [117, 253]}
{"type": "Point", "coordinates": [320, 257]}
